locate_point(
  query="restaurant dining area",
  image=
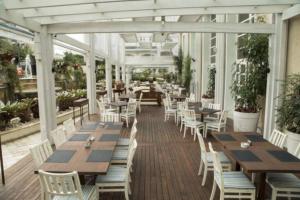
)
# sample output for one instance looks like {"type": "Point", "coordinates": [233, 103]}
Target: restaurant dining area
{"type": "Point", "coordinates": [149, 100]}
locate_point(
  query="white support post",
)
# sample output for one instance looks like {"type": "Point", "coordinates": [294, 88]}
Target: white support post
{"type": "Point", "coordinates": [45, 82]}
{"type": "Point", "coordinates": [197, 65]}
{"type": "Point", "coordinates": [123, 73]}
{"type": "Point", "coordinates": [277, 63]}
{"type": "Point", "coordinates": [117, 72]}
{"type": "Point", "coordinates": [91, 75]}
{"type": "Point", "coordinates": [230, 49]}
{"type": "Point", "coordinates": [128, 77]}
{"type": "Point", "coordinates": [108, 67]}
{"type": "Point", "coordinates": [205, 58]}
{"type": "Point", "coordinates": [220, 64]}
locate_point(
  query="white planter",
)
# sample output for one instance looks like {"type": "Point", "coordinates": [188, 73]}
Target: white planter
{"type": "Point", "coordinates": [206, 101]}
{"type": "Point", "coordinates": [293, 139]}
{"type": "Point", "coordinates": [245, 122]}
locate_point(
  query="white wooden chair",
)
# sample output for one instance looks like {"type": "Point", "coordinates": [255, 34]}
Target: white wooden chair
{"type": "Point", "coordinates": [191, 122]}
{"type": "Point", "coordinates": [217, 126]}
{"type": "Point", "coordinates": [191, 98]}
{"type": "Point", "coordinates": [169, 111]}
{"type": "Point", "coordinates": [41, 152]}
{"type": "Point", "coordinates": [110, 117]}
{"type": "Point", "coordinates": [207, 159]}
{"type": "Point", "coordinates": [58, 135]}
{"type": "Point", "coordinates": [285, 184]}
{"type": "Point", "coordinates": [103, 110]}
{"type": "Point", "coordinates": [117, 178]}
{"type": "Point", "coordinates": [277, 138]}
{"type": "Point", "coordinates": [61, 186]}
{"type": "Point", "coordinates": [126, 142]}
{"type": "Point", "coordinates": [139, 102]}
{"type": "Point", "coordinates": [69, 127]}
{"type": "Point", "coordinates": [216, 116]}
{"type": "Point", "coordinates": [130, 112]}
{"type": "Point", "coordinates": [232, 185]}
{"type": "Point", "coordinates": [179, 112]}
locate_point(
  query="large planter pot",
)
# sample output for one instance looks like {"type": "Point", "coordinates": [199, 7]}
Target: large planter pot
{"type": "Point", "coordinates": [206, 101]}
{"type": "Point", "coordinates": [293, 139]}
{"type": "Point", "coordinates": [245, 122]}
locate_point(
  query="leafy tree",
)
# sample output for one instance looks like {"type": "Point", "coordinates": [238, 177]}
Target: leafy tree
{"type": "Point", "coordinates": [179, 63]}
{"type": "Point", "coordinates": [187, 73]}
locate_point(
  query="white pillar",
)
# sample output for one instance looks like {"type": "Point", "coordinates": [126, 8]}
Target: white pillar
{"type": "Point", "coordinates": [123, 73]}
{"type": "Point", "coordinates": [230, 58]}
{"type": "Point", "coordinates": [45, 82]}
{"type": "Point", "coordinates": [220, 64]}
{"type": "Point", "coordinates": [128, 76]}
{"type": "Point", "coordinates": [108, 67]}
{"type": "Point", "coordinates": [197, 65]}
{"type": "Point", "coordinates": [205, 58]}
{"type": "Point", "coordinates": [91, 75]}
{"type": "Point", "coordinates": [117, 72]}
{"type": "Point", "coordinates": [277, 63]}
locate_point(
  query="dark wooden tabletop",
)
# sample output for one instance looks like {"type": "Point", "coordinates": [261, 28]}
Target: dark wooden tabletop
{"type": "Point", "coordinates": [127, 96]}
{"type": "Point", "coordinates": [261, 149]}
{"type": "Point", "coordinates": [118, 104]}
{"type": "Point", "coordinates": [78, 161]}
{"type": "Point", "coordinates": [172, 96]}
{"type": "Point", "coordinates": [205, 111]}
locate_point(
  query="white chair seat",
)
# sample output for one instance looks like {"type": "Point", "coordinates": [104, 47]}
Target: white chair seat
{"type": "Point", "coordinates": [222, 156]}
{"type": "Point", "coordinates": [123, 142]}
{"type": "Point", "coordinates": [113, 176]}
{"type": "Point", "coordinates": [284, 183]}
{"type": "Point", "coordinates": [120, 154]}
{"type": "Point", "coordinates": [87, 191]}
{"type": "Point", "coordinates": [214, 124]}
{"type": "Point", "coordinates": [281, 176]}
{"type": "Point", "coordinates": [171, 110]}
{"type": "Point", "coordinates": [193, 123]}
{"type": "Point", "coordinates": [124, 114]}
{"type": "Point", "coordinates": [236, 180]}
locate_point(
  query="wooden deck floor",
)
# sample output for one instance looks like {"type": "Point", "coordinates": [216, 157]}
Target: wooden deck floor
{"type": "Point", "coordinates": [165, 166]}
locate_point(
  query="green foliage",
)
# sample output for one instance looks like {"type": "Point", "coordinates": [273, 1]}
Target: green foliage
{"type": "Point", "coordinates": [246, 92]}
{"type": "Point", "coordinates": [289, 110]}
{"type": "Point", "coordinates": [179, 63]}
{"type": "Point", "coordinates": [187, 73]}
{"type": "Point", "coordinates": [210, 93]}
{"type": "Point", "coordinates": [100, 72]}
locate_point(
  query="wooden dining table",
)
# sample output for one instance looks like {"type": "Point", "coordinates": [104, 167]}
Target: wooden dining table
{"type": "Point", "coordinates": [126, 97]}
{"type": "Point", "coordinates": [178, 97]}
{"type": "Point", "coordinates": [261, 157]}
{"type": "Point", "coordinates": [73, 155]}
{"type": "Point", "coordinates": [119, 104]}
{"type": "Point", "coordinates": [201, 111]}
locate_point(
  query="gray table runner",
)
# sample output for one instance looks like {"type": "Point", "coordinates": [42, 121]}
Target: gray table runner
{"type": "Point", "coordinates": [100, 156]}
{"type": "Point", "coordinates": [61, 156]}
{"type": "Point", "coordinates": [109, 137]}
{"type": "Point", "coordinates": [79, 137]}
{"type": "Point", "coordinates": [283, 156]}
{"type": "Point", "coordinates": [255, 138]}
{"type": "Point", "coordinates": [225, 137]}
{"type": "Point", "coordinates": [245, 155]}
{"type": "Point", "coordinates": [89, 127]}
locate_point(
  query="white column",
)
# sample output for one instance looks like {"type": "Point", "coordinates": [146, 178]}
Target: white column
{"type": "Point", "coordinates": [45, 82]}
{"type": "Point", "coordinates": [90, 75]}
{"type": "Point", "coordinates": [220, 64]}
{"type": "Point", "coordinates": [108, 67]}
{"type": "Point", "coordinates": [123, 73]}
{"type": "Point", "coordinates": [197, 65]}
{"type": "Point", "coordinates": [230, 58]}
{"type": "Point", "coordinates": [128, 76]}
{"type": "Point", "coordinates": [117, 72]}
{"type": "Point", "coordinates": [277, 64]}
{"type": "Point", "coordinates": [205, 58]}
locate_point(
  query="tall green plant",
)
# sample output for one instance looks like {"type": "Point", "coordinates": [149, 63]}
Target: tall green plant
{"type": "Point", "coordinates": [187, 73]}
{"type": "Point", "coordinates": [289, 110]}
{"type": "Point", "coordinates": [179, 63]}
{"type": "Point", "coordinates": [254, 49]}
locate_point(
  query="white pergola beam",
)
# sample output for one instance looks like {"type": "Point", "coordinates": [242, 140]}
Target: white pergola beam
{"type": "Point", "coordinates": [18, 19]}
{"type": "Point", "coordinates": [17, 4]}
{"type": "Point", "coordinates": [149, 60]}
{"type": "Point", "coordinates": [143, 27]}
{"type": "Point", "coordinates": [291, 12]}
{"type": "Point", "coordinates": [60, 15]}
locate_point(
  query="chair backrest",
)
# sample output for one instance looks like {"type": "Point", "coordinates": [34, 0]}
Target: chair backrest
{"type": "Point", "coordinates": [189, 115]}
{"type": "Point", "coordinates": [132, 135]}
{"type": "Point", "coordinates": [297, 151]}
{"type": "Point", "coordinates": [110, 117]}
{"type": "Point", "coordinates": [132, 151]}
{"type": "Point", "coordinates": [223, 117]}
{"type": "Point", "coordinates": [218, 171]}
{"type": "Point", "coordinates": [61, 184]}
{"type": "Point", "coordinates": [277, 138]}
{"type": "Point", "coordinates": [41, 152]}
{"type": "Point", "coordinates": [58, 135]}
{"type": "Point", "coordinates": [131, 107]}
{"type": "Point", "coordinates": [141, 97]}
{"type": "Point", "coordinates": [132, 100]}
{"type": "Point", "coordinates": [69, 126]}
{"type": "Point", "coordinates": [215, 106]}
{"type": "Point", "coordinates": [101, 106]}
{"type": "Point", "coordinates": [202, 146]}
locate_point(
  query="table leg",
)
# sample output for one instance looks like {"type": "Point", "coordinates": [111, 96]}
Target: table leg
{"type": "Point", "coordinates": [1, 161]}
{"type": "Point", "coordinates": [74, 114]}
{"type": "Point", "coordinates": [202, 117]}
{"type": "Point", "coordinates": [81, 115]}
{"type": "Point", "coordinates": [262, 186]}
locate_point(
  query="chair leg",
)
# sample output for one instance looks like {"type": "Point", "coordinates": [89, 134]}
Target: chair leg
{"type": "Point", "coordinates": [274, 194]}
{"type": "Point", "coordinates": [253, 177]}
{"type": "Point", "coordinates": [181, 125]}
{"type": "Point", "coordinates": [213, 191]}
{"type": "Point", "coordinates": [221, 195]}
{"type": "Point", "coordinates": [127, 122]}
{"type": "Point", "coordinates": [184, 132]}
{"type": "Point", "coordinates": [129, 189]}
{"type": "Point", "coordinates": [195, 135]}
{"type": "Point", "coordinates": [204, 176]}
{"type": "Point", "coordinates": [126, 194]}
{"type": "Point", "coordinates": [200, 168]}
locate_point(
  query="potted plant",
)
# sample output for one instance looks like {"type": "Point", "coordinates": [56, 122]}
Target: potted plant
{"type": "Point", "coordinates": [23, 110]}
{"type": "Point", "coordinates": [35, 108]}
{"type": "Point", "coordinates": [289, 111]}
{"type": "Point", "coordinates": [3, 120]}
{"type": "Point", "coordinates": [249, 84]}
{"type": "Point", "coordinates": [64, 100]}
{"type": "Point", "coordinates": [208, 97]}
